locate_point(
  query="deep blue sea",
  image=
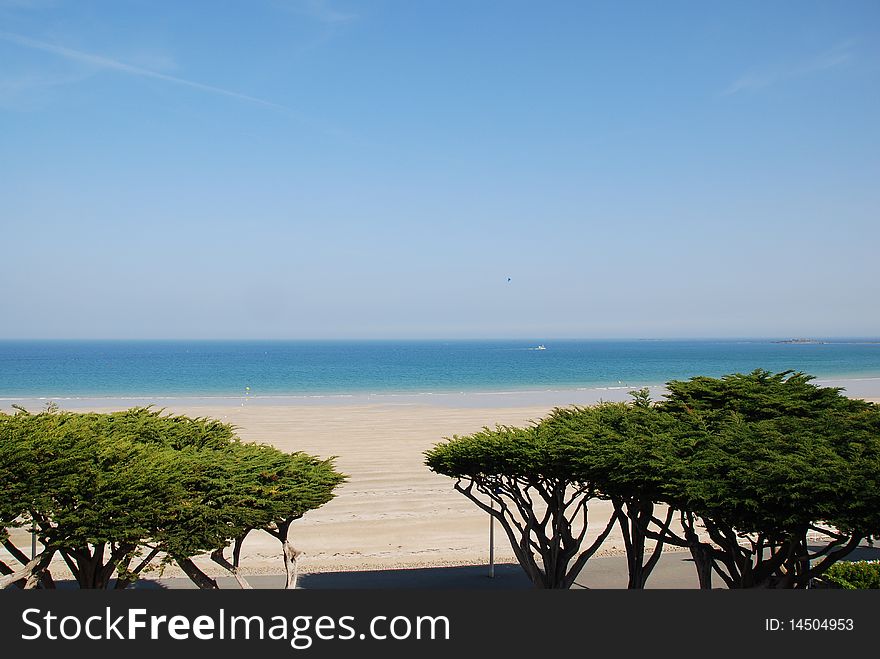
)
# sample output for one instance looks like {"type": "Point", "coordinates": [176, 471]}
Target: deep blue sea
{"type": "Point", "coordinates": [71, 369]}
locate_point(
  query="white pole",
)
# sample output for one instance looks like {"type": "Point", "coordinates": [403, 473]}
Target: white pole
{"type": "Point", "coordinates": [492, 541]}
{"type": "Point", "coordinates": [33, 540]}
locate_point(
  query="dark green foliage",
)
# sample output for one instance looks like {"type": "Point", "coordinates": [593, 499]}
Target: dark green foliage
{"type": "Point", "coordinates": [104, 488]}
{"type": "Point", "coordinates": [623, 448]}
{"type": "Point", "coordinates": [531, 454]}
{"type": "Point", "coordinates": [616, 451]}
{"type": "Point", "coordinates": [626, 451]}
{"type": "Point", "coordinates": [855, 575]}
{"type": "Point", "coordinates": [780, 459]}
{"type": "Point", "coordinates": [758, 478]}
{"type": "Point", "coordinates": [756, 396]}
{"type": "Point", "coordinates": [538, 484]}
{"type": "Point", "coordinates": [755, 466]}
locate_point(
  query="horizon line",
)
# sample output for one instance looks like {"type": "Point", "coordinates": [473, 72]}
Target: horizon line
{"type": "Point", "coordinates": [754, 337]}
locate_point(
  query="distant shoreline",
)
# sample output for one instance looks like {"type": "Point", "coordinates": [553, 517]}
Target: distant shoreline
{"type": "Point", "coordinates": [808, 342]}
{"type": "Point", "coordinates": [857, 386]}
{"type": "Point", "coordinates": [452, 373]}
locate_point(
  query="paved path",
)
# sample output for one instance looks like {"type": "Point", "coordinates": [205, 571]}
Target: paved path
{"type": "Point", "coordinates": [674, 570]}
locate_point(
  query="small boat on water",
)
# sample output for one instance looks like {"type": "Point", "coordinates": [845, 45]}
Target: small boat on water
{"type": "Point", "coordinates": [541, 347]}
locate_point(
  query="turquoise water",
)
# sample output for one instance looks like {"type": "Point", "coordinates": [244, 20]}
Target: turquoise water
{"type": "Point", "coordinates": [32, 369]}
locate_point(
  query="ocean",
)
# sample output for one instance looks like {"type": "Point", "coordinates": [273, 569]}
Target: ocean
{"type": "Point", "coordinates": [70, 370]}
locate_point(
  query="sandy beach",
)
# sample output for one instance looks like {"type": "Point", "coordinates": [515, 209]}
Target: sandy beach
{"type": "Point", "coordinates": [392, 512]}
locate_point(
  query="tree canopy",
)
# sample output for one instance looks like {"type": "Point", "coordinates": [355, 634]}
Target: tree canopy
{"type": "Point", "coordinates": [626, 450]}
{"type": "Point", "coordinates": [103, 490]}
{"type": "Point", "coordinates": [538, 488]}
{"type": "Point", "coordinates": [772, 479]}
{"type": "Point", "coordinates": [778, 479]}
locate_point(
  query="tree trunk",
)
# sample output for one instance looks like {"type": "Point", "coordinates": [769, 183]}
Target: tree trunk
{"type": "Point", "coordinates": [92, 572]}
{"type": "Point", "coordinates": [635, 543]}
{"type": "Point", "coordinates": [702, 556]}
{"type": "Point", "coordinates": [218, 557]}
{"type": "Point", "coordinates": [701, 553]}
{"type": "Point", "coordinates": [31, 573]}
{"type": "Point", "coordinates": [634, 519]}
{"type": "Point", "coordinates": [290, 564]}
{"type": "Point", "coordinates": [127, 578]}
{"type": "Point", "coordinates": [198, 577]}
{"type": "Point", "coordinates": [5, 570]}
{"type": "Point", "coordinates": [86, 568]}
{"type": "Point", "coordinates": [46, 581]}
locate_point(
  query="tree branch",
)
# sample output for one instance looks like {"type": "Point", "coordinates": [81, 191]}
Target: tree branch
{"type": "Point", "coordinates": [588, 553]}
{"type": "Point", "coordinates": [30, 571]}
{"type": "Point", "coordinates": [218, 557]}
{"type": "Point", "coordinates": [16, 553]}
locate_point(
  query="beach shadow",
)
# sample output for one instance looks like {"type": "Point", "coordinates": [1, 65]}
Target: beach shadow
{"type": "Point", "coordinates": [148, 584]}
{"type": "Point", "coordinates": [466, 577]}
{"type": "Point", "coordinates": [140, 584]}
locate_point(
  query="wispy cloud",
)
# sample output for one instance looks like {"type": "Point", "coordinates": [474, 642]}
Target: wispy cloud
{"type": "Point", "coordinates": [109, 64]}
{"type": "Point", "coordinates": [840, 55]}
{"type": "Point", "coordinates": [750, 83]}
{"type": "Point", "coordinates": [26, 92]}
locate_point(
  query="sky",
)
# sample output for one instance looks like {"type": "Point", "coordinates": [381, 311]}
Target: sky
{"type": "Point", "coordinates": [333, 169]}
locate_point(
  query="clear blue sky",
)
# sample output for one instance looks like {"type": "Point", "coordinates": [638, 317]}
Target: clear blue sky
{"type": "Point", "coordinates": [340, 169]}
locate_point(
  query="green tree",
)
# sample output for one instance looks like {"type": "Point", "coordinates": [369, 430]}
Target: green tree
{"type": "Point", "coordinates": [92, 496]}
{"type": "Point", "coordinates": [16, 469]}
{"type": "Point", "coordinates": [779, 460]}
{"type": "Point", "coordinates": [624, 450]}
{"type": "Point", "coordinates": [105, 489]}
{"type": "Point", "coordinates": [526, 479]}
{"type": "Point", "coordinates": [756, 396]}
{"type": "Point", "coordinates": [299, 483]}
{"type": "Point", "coordinates": [267, 490]}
